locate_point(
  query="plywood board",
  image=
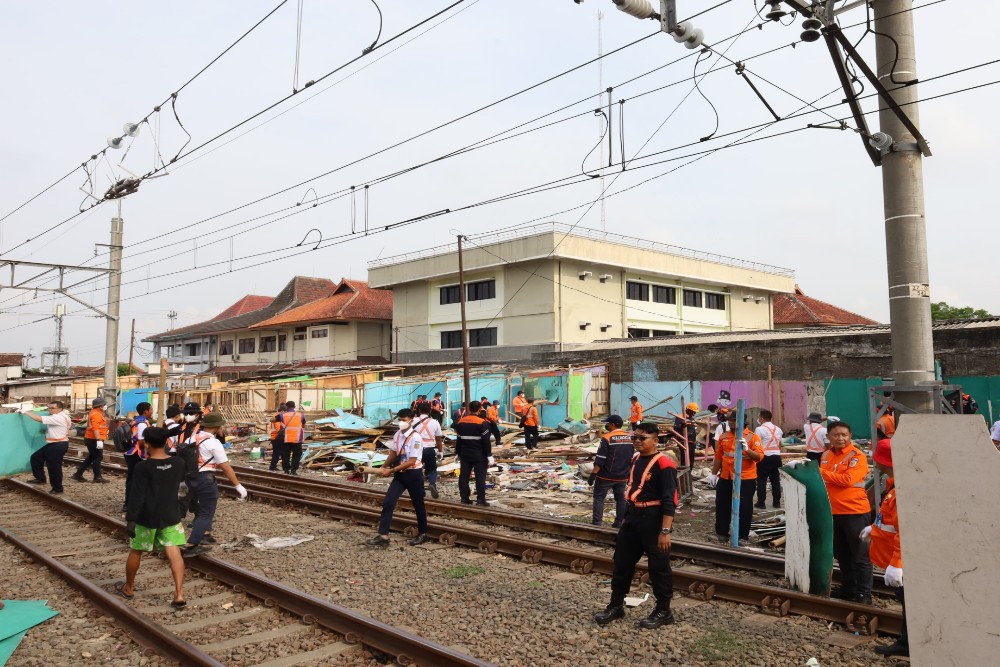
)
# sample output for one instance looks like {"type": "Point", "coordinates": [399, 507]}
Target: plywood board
{"type": "Point", "coordinates": [946, 472]}
{"type": "Point", "coordinates": [797, 547]}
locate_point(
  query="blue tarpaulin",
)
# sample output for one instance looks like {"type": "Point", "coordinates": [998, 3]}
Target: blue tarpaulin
{"type": "Point", "coordinates": [128, 399]}
{"type": "Point", "coordinates": [19, 438]}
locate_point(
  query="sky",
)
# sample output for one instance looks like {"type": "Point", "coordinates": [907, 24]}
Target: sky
{"type": "Point", "coordinates": [207, 231]}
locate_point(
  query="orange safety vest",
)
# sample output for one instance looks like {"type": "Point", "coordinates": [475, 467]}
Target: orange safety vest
{"type": "Point", "coordinates": [69, 426]}
{"type": "Point", "coordinates": [727, 448]}
{"type": "Point", "coordinates": [519, 405]}
{"type": "Point", "coordinates": [632, 490]}
{"type": "Point", "coordinates": [180, 438]}
{"type": "Point", "coordinates": [885, 549]}
{"type": "Point", "coordinates": [813, 442]}
{"type": "Point", "coordinates": [887, 424]}
{"type": "Point", "coordinates": [773, 445]}
{"type": "Point", "coordinates": [97, 425]}
{"type": "Point", "coordinates": [636, 415]}
{"type": "Point", "coordinates": [293, 422]}
{"type": "Point", "coordinates": [844, 473]}
{"type": "Point", "coordinates": [493, 413]}
{"type": "Point", "coordinates": [531, 419]}
{"type": "Point", "coordinates": [204, 465]}
{"type": "Point", "coordinates": [138, 446]}
{"type": "Point", "coordinates": [275, 427]}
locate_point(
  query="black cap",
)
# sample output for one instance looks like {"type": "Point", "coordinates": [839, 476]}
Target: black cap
{"type": "Point", "coordinates": [191, 408]}
{"type": "Point", "coordinates": [614, 419]}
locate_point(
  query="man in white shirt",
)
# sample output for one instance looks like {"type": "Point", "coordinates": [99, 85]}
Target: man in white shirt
{"type": "Point", "coordinates": [405, 464]}
{"type": "Point", "coordinates": [995, 434]}
{"type": "Point", "coordinates": [767, 469]}
{"type": "Point", "coordinates": [815, 435]}
{"type": "Point", "coordinates": [57, 426]}
{"type": "Point", "coordinates": [429, 431]}
{"type": "Point", "coordinates": [211, 456]}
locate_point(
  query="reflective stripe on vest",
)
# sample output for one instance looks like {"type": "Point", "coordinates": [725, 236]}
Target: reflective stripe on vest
{"type": "Point", "coordinates": [69, 425]}
{"type": "Point", "coordinates": [632, 495]}
{"type": "Point", "coordinates": [203, 465]}
{"type": "Point", "coordinates": [773, 430]}
{"type": "Point", "coordinates": [293, 427]}
{"type": "Point", "coordinates": [813, 438]}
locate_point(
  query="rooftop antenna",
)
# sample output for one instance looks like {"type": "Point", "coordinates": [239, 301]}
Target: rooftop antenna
{"type": "Point", "coordinates": [172, 315]}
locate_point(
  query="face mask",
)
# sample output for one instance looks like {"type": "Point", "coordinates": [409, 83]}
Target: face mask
{"type": "Point", "coordinates": [404, 426]}
{"type": "Point", "coordinates": [190, 418]}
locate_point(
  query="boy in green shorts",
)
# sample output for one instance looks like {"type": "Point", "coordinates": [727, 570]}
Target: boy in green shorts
{"type": "Point", "coordinates": [155, 512]}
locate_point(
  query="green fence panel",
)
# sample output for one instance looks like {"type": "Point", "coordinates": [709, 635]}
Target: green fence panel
{"type": "Point", "coordinates": [986, 391]}
{"type": "Point", "coordinates": [848, 399]}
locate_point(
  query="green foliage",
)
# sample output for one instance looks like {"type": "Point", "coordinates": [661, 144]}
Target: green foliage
{"type": "Point", "coordinates": [123, 370]}
{"type": "Point", "coordinates": [719, 644]}
{"type": "Point", "coordinates": [942, 311]}
{"type": "Point", "coordinates": [460, 571]}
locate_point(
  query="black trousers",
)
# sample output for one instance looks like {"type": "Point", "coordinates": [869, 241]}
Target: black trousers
{"type": "Point", "coordinates": [814, 456]}
{"type": "Point", "coordinates": [466, 466]}
{"type": "Point", "coordinates": [904, 638]}
{"type": "Point", "coordinates": [601, 488]}
{"type": "Point", "coordinates": [50, 457]}
{"type": "Point", "coordinates": [637, 536]}
{"type": "Point", "coordinates": [291, 454]}
{"type": "Point", "coordinates": [495, 431]}
{"type": "Point", "coordinates": [724, 506]}
{"type": "Point", "coordinates": [531, 437]}
{"type": "Point", "coordinates": [767, 470]}
{"type": "Point", "coordinates": [277, 453]}
{"type": "Point", "coordinates": [411, 481]}
{"type": "Point", "coordinates": [94, 458]}
{"type": "Point", "coordinates": [131, 461]}
{"type": "Point", "coordinates": [852, 553]}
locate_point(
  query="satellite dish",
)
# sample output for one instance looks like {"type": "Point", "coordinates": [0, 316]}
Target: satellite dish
{"type": "Point", "coordinates": [115, 142]}
{"type": "Point", "coordinates": [131, 129]}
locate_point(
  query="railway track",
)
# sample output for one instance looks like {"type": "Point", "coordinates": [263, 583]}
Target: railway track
{"type": "Point", "coordinates": [85, 549]}
{"type": "Point", "coordinates": [864, 619]}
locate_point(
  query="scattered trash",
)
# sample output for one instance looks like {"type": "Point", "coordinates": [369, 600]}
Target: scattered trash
{"type": "Point", "coordinates": [636, 601]}
{"type": "Point", "coordinates": [228, 605]}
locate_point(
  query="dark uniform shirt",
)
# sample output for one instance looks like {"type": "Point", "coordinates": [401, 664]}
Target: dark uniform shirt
{"type": "Point", "coordinates": [682, 425]}
{"type": "Point", "coordinates": [614, 456]}
{"type": "Point", "coordinates": [153, 496]}
{"type": "Point", "coordinates": [660, 485]}
{"type": "Point", "coordinates": [473, 442]}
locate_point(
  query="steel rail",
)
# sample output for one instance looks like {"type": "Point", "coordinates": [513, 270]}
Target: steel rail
{"type": "Point", "coordinates": [143, 631]}
{"type": "Point", "coordinates": [356, 628]}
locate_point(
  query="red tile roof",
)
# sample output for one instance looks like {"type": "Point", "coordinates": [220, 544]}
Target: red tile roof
{"type": "Point", "coordinates": [800, 310]}
{"type": "Point", "coordinates": [247, 304]}
{"type": "Point", "coordinates": [352, 300]}
{"type": "Point", "coordinates": [10, 359]}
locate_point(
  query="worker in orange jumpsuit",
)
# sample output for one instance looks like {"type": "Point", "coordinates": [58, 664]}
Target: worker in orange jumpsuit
{"type": "Point", "coordinates": [886, 424]}
{"type": "Point", "coordinates": [844, 468]}
{"type": "Point", "coordinates": [531, 421]}
{"type": "Point", "coordinates": [752, 450]}
{"type": "Point", "coordinates": [520, 404]}
{"type": "Point", "coordinates": [885, 551]}
{"type": "Point", "coordinates": [635, 415]}
{"type": "Point", "coordinates": [94, 438]}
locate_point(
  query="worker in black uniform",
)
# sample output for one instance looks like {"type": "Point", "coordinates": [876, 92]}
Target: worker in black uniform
{"type": "Point", "coordinates": [474, 453]}
{"type": "Point", "coordinates": [652, 499]}
{"type": "Point", "coordinates": [611, 468]}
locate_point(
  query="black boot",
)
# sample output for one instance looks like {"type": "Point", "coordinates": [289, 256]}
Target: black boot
{"type": "Point", "coordinates": [896, 648]}
{"type": "Point", "coordinates": [614, 611]}
{"type": "Point", "coordinates": [658, 618]}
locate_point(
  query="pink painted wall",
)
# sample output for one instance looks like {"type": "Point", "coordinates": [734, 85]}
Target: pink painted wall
{"type": "Point", "coordinates": [786, 399]}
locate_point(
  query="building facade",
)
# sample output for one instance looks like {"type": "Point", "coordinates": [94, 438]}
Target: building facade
{"type": "Point", "coordinates": [551, 287]}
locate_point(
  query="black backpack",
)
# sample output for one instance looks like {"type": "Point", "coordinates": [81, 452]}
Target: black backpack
{"type": "Point", "coordinates": [122, 436]}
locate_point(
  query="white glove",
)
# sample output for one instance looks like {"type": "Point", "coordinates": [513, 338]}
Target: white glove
{"type": "Point", "coordinates": [866, 534]}
{"type": "Point", "coordinates": [796, 462]}
{"type": "Point", "coordinates": [743, 444]}
{"type": "Point", "coordinates": [240, 490]}
{"type": "Point", "coordinates": [713, 481]}
{"type": "Point", "coordinates": [100, 444]}
{"type": "Point", "coordinates": [894, 577]}
{"type": "Point", "coordinates": [491, 461]}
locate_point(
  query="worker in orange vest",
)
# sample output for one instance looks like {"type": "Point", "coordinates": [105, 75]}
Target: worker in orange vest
{"type": "Point", "coordinates": [530, 419]}
{"type": "Point", "coordinates": [844, 468]}
{"type": "Point", "coordinates": [94, 437]}
{"type": "Point", "coordinates": [752, 451]}
{"type": "Point", "coordinates": [815, 434]}
{"type": "Point", "coordinates": [886, 424]}
{"type": "Point", "coordinates": [493, 419]}
{"type": "Point", "coordinates": [635, 415]}
{"type": "Point", "coordinates": [884, 548]}
{"type": "Point", "coordinates": [294, 424]}
{"type": "Point", "coordinates": [437, 408]}
{"type": "Point", "coordinates": [520, 404]}
{"type": "Point", "coordinates": [277, 444]}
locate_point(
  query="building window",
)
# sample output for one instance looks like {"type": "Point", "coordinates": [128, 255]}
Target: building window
{"type": "Point", "coordinates": [638, 333]}
{"type": "Point", "coordinates": [637, 291]}
{"type": "Point", "coordinates": [659, 333]}
{"type": "Point", "coordinates": [282, 343]}
{"type": "Point", "coordinates": [247, 345]}
{"type": "Point", "coordinates": [451, 339]}
{"type": "Point", "coordinates": [268, 343]}
{"type": "Point", "coordinates": [319, 333]}
{"type": "Point", "coordinates": [692, 298]}
{"type": "Point", "coordinates": [481, 290]}
{"type": "Point", "coordinates": [715, 301]}
{"type": "Point", "coordinates": [298, 336]}
{"type": "Point", "coordinates": [226, 347]}
{"type": "Point", "coordinates": [663, 294]}
{"type": "Point", "coordinates": [192, 349]}
{"type": "Point", "coordinates": [450, 294]}
{"type": "Point", "coordinates": [483, 337]}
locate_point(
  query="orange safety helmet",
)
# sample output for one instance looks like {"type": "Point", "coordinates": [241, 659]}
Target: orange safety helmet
{"type": "Point", "coordinates": [692, 406]}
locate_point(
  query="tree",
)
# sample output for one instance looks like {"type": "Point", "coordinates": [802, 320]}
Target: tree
{"type": "Point", "coordinates": [123, 370]}
{"type": "Point", "coordinates": [942, 311]}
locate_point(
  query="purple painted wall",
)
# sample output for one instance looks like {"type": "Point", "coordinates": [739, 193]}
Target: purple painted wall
{"type": "Point", "coordinates": [786, 399]}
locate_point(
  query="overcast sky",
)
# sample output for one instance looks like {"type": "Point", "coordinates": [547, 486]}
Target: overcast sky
{"type": "Point", "coordinates": [74, 73]}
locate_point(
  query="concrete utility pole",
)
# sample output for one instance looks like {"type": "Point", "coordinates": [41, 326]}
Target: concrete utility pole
{"type": "Point", "coordinates": [161, 403]}
{"type": "Point", "coordinates": [114, 295]}
{"type": "Point", "coordinates": [465, 326]}
{"type": "Point", "coordinates": [903, 197]}
{"type": "Point", "coordinates": [131, 348]}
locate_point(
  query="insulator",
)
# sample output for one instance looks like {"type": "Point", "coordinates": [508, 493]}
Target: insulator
{"type": "Point", "coordinates": [641, 9]}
